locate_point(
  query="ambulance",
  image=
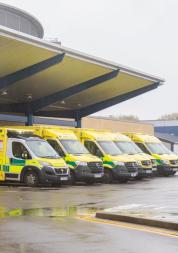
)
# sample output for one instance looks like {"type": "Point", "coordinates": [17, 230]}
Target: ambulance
{"type": "Point", "coordinates": [116, 165]}
{"type": "Point", "coordinates": [2, 176]}
{"type": "Point", "coordinates": [167, 161]}
{"type": "Point", "coordinates": [84, 167]}
{"type": "Point", "coordinates": [27, 158]}
{"type": "Point", "coordinates": [146, 163]}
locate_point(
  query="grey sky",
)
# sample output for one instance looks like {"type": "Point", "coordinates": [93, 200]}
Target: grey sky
{"type": "Point", "coordinates": [137, 33]}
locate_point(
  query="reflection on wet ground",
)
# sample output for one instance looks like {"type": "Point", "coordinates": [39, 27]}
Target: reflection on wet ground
{"type": "Point", "coordinates": [72, 211]}
{"type": "Point", "coordinates": [150, 198]}
{"type": "Point", "coordinates": [76, 211]}
{"type": "Point", "coordinates": [43, 220]}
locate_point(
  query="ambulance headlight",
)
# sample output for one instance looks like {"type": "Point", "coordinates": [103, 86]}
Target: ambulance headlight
{"type": "Point", "coordinates": [139, 163]}
{"type": "Point", "coordinates": [164, 162]}
{"type": "Point", "coordinates": [118, 163]}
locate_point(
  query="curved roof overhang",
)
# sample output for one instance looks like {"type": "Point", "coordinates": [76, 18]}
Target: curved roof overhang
{"type": "Point", "coordinates": [45, 79]}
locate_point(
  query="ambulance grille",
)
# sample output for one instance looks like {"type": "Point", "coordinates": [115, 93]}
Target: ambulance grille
{"type": "Point", "coordinates": [61, 171]}
{"type": "Point", "coordinates": [96, 167]}
{"type": "Point", "coordinates": [131, 166]}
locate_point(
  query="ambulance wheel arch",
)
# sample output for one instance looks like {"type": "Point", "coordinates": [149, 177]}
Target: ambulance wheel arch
{"type": "Point", "coordinates": [108, 176]}
{"type": "Point", "coordinates": [72, 177]}
{"type": "Point", "coordinates": [30, 175]}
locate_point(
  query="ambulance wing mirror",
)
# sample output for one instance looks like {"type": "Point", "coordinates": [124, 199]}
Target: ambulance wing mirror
{"type": "Point", "coordinates": [25, 155]}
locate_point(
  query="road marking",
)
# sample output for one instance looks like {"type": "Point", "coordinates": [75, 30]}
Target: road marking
{"type": "Point", "coordinates": [162, 232]}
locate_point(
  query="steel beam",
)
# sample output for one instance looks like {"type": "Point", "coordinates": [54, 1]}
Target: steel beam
{"type": "Point", "coordinates": [56, 114]}
{"type": "Point", "coordinates": [12, 78]}
{"type": "Point", "coordinates": [10, 108]}
{"type": "Point", "coordinates": [83, 111]}
{"type": "Point", "coordinates": [61, 95]}
{"type": "Point", "coordinates": [116, 100]}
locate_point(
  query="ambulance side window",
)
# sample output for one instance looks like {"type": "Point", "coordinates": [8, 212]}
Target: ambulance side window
{"type": "Point", "coordinates": [143, 148]}
{"type": "Point", "coordinates": [20, 151]}
{"type": "Point", "coordinates": [56, 147]}
{"type": "Point", "coordinates": [93, 149]}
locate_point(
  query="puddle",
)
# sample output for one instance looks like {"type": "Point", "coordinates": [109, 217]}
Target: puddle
{"type": "Point", "coordinates": [89, 209]}
{"type": "Point", "coordinates": [72, 211]}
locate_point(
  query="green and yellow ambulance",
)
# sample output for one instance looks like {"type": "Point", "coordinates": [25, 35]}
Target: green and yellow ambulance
{"type": "Point", "coordinates": [146, 163]}
{"type": "Point", "coordinates": [167, 161]}
{"type": "Point", "coordinates": [83, 166]}
{"type": "Point", "coordinates": [2, 176]}
{"type": "Point", "coordinates": [26, 158]}
{"type": "Point", "coordinates": [116, 165]}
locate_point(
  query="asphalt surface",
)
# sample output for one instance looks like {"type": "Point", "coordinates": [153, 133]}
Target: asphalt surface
{"type": "Point", "coordinates": [43, 220]}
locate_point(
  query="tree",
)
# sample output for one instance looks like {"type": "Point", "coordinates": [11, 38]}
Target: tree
{"type": "Point", "coordinates": [125, 117]}
{"type": "Point", "coordinates": [170, 116]}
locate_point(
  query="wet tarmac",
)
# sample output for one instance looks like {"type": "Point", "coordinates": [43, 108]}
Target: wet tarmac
{"type": "Point", "coordinates": [43, 220]}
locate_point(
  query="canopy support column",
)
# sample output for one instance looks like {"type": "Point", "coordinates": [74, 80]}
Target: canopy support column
{"type": "Point", "coordinates": [78, 121]}
{"type": "Point", "coordinates": [29, 121]}
{"type": "Point", "coordinates": [172, 147]}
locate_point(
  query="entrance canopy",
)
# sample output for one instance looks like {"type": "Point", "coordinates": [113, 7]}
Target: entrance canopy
{"type": "Point", "coordinates": [44, 79]}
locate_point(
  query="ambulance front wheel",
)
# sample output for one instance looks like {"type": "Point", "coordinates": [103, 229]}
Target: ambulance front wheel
{"type": "Point", "coordinates": [108, 177]}
{"type": "Point", "coordinates": [31, 178]}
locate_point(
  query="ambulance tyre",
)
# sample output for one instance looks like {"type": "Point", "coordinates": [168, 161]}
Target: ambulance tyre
{"type": "Point", "coordinates": [139, 177]}
{"type": "Point", "coordinates": [108, 177]}
{"type": "Point", "coordinates": [166, 174]}
{"type": "Point", "coordinates": [31, 178]}
{"type": "Point", "coordinates": [123, 180]}
{"type": "Point", "coordinates": [90, 182]}
{"type": "Point", "coordinates": [72, 178]}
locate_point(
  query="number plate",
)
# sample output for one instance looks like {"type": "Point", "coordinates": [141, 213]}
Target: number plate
{"type": "Point", "coordinates": [148, 171]}
{"type": "Point", "coordinates": [134, 174]}
{"type": "Point", "coordinates": [154, 169]}
{"type": "Point", "coordinates": [98, 175]}
{"type": "Point", "coordinates": [175, 169]}
{"type": "Point", "coordinates": [63, 178]}
{"type": "Point", "coordinates": [2, 176]}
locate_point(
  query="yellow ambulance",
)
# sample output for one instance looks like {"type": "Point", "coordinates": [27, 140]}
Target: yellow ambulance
{"type": "Point", "coordinates": [2, 176]}
{"type": "Point", "coordinates": [26, 158]}
{"type": "Point", "coordinates": [146, 163]}
{"type": "Point", "coordinates": [167, 161]}
{"type": "Point", "coordinates": [83, 166]}
{"type": "Point", "coordinates": [116, 165]}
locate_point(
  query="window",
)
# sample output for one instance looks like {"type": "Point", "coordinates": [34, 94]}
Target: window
{"type": "Point", "coordinates": [110, 148]}
{"type": "Point", "coordinates": [74, 147]}
{"type": "Point", "coordinates": [42, 149]}
{"type": "Point", "coordinates": [93, 148]}
{"type": "Point", "coordinates": [128, 147]}
{"type": "Point", "coordinates": [20, 151]}
{"type": "Point", "coordinates": [158, 148]}
{"type": "Point", "coordinates": [56, 147]}
{"type": "Point", "coordinates": [143, 148]}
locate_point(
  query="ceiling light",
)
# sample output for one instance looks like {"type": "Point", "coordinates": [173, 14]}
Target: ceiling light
{"type": "Point", "coordinates": [28, 96]}
{"type": "Point", "coordinates": [4, 92]}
